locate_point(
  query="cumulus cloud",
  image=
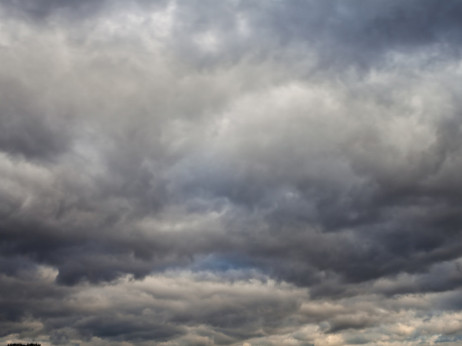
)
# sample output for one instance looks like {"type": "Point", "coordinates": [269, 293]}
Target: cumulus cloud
{"type": "Point", "coordinates": [256, 172]}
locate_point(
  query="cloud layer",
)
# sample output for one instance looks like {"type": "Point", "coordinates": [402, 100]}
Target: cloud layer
{"type": "Point", "coordinates": [233, 172]}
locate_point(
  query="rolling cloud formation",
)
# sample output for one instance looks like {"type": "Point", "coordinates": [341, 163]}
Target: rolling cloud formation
{"type": "Point", "coordinates": [231, 172]}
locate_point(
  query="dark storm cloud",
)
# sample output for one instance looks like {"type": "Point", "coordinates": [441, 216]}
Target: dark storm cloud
{"type": "Point", "coordinates": [340, 34]}
{"type": "Point", "coordinates": [41, 9]}
{"type": "Point", "coordinates": [365, 31]}
{"type": "Point", "coordinates": [218, 173]}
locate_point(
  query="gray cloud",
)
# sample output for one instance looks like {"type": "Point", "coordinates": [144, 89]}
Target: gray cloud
{"type": "Point", "coordinates": [229, 173]}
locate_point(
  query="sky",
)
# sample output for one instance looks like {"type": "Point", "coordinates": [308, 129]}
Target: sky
{"type": "Point", "coordinates": [233, 172]}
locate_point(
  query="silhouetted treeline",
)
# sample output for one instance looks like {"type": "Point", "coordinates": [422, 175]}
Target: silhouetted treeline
{"type": "Point", "coordinates": [23, 345]}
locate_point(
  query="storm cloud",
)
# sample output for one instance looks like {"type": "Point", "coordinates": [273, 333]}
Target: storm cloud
{"type": "Point", "coordinates": [231, 172]}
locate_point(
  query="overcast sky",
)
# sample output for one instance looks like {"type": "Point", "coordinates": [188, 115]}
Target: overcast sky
{"type": "Point", "coordinates": [233, 172]}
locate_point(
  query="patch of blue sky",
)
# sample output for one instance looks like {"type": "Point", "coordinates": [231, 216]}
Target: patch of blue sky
{"type": "Point", "coordinates": [221, 263]}
{"type": "Point", "coordinates": [442, 339]}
